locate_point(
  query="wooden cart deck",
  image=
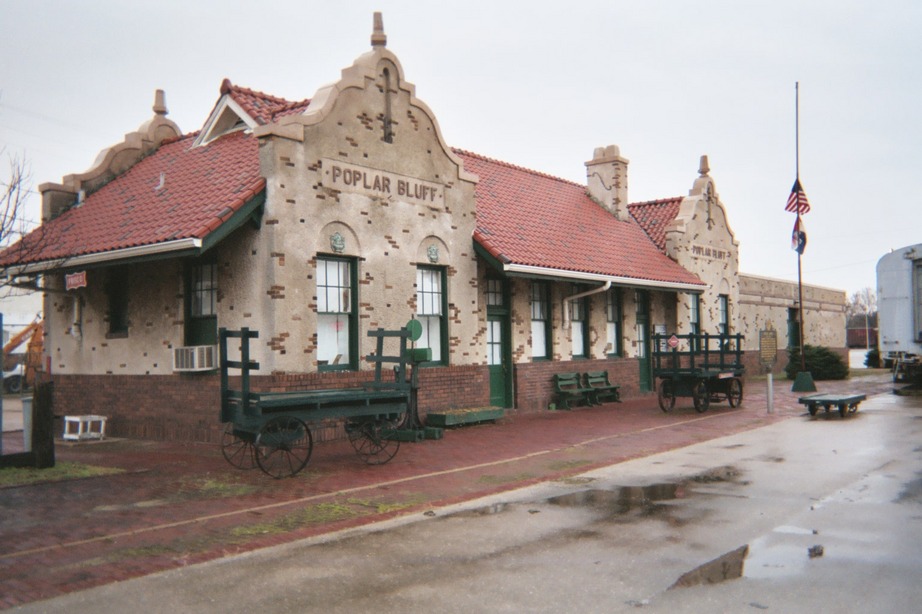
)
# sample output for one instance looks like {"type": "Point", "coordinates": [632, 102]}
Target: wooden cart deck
{"type": "Point", "coordinates": [845, 403]}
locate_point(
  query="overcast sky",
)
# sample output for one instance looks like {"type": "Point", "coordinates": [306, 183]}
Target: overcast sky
{"type": "Point", "coordinates": [539, 84]}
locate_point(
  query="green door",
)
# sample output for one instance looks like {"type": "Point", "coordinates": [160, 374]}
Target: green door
{"type": "Point", "coordinates": [643, 341]}
{"type": "Point", "coordinates": [497, 358]}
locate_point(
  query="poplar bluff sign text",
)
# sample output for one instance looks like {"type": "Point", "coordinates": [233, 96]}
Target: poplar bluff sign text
{"type": "Point", "coordinates": [371, 182]}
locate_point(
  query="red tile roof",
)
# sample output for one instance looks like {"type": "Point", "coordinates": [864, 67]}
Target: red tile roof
{"type": "Point", "coordinates": [202, 188]}
{"type": "Point", "coordinates": [654, 215]}
{"type": "Point", "coordinates": [532, 219]}
{"type": "Point", "coordinates": [262, 107]}
{"type": "Point", "coordinates": [523, 217]}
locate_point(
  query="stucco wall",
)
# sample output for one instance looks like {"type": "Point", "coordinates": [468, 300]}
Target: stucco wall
{"type": "Point", "coordinates": [331, 172]}
{"type": "Point", "coordinates": [764, 300]}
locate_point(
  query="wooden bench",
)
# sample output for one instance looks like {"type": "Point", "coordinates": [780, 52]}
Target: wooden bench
{"type": "Point", "coordinates": [597, 382]}
{"type": "Point", "coordinates": [568, 386]}
{"type": "Point", "coordinates": [846, 403]}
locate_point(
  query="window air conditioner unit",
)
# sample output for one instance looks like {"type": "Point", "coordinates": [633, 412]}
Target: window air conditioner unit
{"type": "Point", "coordinates": [195, 358]}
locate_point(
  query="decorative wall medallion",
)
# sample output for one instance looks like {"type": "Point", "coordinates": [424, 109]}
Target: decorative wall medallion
{"type": "Point", "coordinates": [337, 243]}
{"type": "Point", "coordinates": [433, 252]}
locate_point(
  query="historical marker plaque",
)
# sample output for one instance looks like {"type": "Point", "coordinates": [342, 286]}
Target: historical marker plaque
{"type": "Point", "coordinates": [768, 347]}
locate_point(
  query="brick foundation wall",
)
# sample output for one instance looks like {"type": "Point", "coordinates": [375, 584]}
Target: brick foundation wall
{"type": "Point", "coordinates": [534, 382]}
{"type": "Point", "coordinates": [186, 407]}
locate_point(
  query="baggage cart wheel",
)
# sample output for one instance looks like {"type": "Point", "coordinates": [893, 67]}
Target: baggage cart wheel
{"type": "Point", "coordinates": [283, 446]}
{"type": "Point", "coordinates": [701, 396]}
{"type": "Point", "coordinates": [373, 440]}
{"type": "Point", "coordinates": [237, 450]}
{"type": "Point", "coordinates": [735, 392]}
{"type": "Point", "coordinates": [666, 394]}
{"type": "Point", "coordinates": [812, 407]}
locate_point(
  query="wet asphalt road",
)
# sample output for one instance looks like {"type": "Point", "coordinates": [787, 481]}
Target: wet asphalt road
{"type": "Point", "coordinates": [615, 539]}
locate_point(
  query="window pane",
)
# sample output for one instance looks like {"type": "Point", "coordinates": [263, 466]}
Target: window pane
{"type": "Point", "coordinates": [494, 343]}
{"type": "Point", "coordinates": [204, 290]}
{"type": "Point", "coordinates": [432, 336]}
{"type": "Point", "coordinates": [538, 339]}
{"type": "Point", "coordinates": [612, 338]}
{"type": "Point", "coordinates": [334, 294]}
{"type": "Point", "coordinates": [494, 292]}
{"type": "Point", "coordinates": [333, 339]}
{"type": "Point", "coordinates": [428, 292]}
{"type": "Point", "coordinates": [577, 333]}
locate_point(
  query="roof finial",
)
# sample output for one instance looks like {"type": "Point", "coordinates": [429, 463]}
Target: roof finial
{"type": "Point", "coordinates": [703, 168]}
{"type": "Point", "coordinates": [378, 37]}
{"type": "Point", "coordinates": [160, 103]}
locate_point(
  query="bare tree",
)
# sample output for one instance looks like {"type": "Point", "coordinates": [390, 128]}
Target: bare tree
{"type": "Point", "coordinates": [16, 188]}
{"type": "Point", "coordinates": [862, 303]}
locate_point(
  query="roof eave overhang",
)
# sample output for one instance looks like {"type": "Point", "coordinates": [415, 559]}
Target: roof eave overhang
{"type": "Point", "coordinates": [537, 272]}
{"type": "Point", "coordinates": [167, 249]}
{"type": "Point", "coordinates": [523, 270]}
{"type": "Point", "coordinates": [178, 248]}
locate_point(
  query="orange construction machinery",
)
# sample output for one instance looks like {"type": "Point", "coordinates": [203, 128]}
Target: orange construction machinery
{"type": "Point", "coordinates": [31, 361]}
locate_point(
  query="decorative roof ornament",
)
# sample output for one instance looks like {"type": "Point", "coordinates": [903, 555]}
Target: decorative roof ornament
{"type": "Point", "coordinates": [378, 37]}
{"type": "Point", "coordinates": [160, 103]}
{"type": "Point", "coordinates": [703, 168]}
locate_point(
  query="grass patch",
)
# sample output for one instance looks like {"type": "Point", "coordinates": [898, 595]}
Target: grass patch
{"type": "Point", "coordinates": [385, 507]}
{"type": "Point", "coordinates": [505, 479]}
{"type": "Point", "coordinates": [19, 476]}
{"type": "Point", "coordinates": [312, 514]}
{"type": "Point", "coordinates": [218, 488]}
{"type": "Point", "coordinates": [570, 464]}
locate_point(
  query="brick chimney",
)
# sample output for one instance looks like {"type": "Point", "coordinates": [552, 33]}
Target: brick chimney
{"type": "Point", "coordinates": [606, 179]}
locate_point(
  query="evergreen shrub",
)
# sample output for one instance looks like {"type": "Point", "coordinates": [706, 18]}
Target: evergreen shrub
{"type": "Point", "coordinates": [821, 362]}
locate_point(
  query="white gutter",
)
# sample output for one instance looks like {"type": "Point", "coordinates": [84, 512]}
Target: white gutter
{"type": "Point", "coordinates": [119, 254]}
{"type": "Point", "coordinates": [566, 312]}
{"type": "Point", "coordinates": [524, 269]}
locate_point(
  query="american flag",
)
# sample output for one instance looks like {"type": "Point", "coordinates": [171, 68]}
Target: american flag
{"type": "Point", "coordinates": [797, 201]}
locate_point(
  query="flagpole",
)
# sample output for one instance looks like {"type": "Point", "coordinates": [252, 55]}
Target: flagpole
{"type": "Point", "coordinates": [800, 283]}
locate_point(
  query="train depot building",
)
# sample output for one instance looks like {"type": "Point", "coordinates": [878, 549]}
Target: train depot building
{"type": "Point", "coordinates": [315, 221]}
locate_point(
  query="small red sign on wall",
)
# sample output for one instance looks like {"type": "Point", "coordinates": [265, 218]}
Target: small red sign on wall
{"type": "Point", "coordinates": [75, 280]}
{"type": "Point", "coordinates": [673, 342]}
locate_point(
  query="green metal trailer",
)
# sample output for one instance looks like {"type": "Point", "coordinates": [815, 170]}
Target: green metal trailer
{"type": "Point", "coordinates": [270, 429]}
{"type": "Point", "coordinates": [707, 368]}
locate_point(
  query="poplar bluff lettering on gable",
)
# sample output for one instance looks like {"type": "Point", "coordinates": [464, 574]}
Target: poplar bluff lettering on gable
{"type": "Point", "coordinates": [382, 184]}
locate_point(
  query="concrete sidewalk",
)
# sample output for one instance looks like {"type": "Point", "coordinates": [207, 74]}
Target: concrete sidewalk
{"type": "Point", "coordinates": [177, 504]}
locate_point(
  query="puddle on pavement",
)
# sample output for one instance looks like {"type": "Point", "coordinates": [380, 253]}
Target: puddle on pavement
{"type": "Point", "coordinates": [726, 567]}
{"type": "Point", "coordinates": [622, 500]}
{"type": "Point", "coordinates": [644, 501]}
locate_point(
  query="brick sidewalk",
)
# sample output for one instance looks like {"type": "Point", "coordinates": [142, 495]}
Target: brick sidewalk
{"type": "Point", "coordinates": [179, 504]}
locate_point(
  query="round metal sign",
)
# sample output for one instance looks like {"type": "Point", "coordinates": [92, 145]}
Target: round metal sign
{"type": "Point", "coordinates": [415, 328]}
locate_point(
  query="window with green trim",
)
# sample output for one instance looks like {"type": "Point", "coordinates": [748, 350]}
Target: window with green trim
{"type": "Point", "coordinates": [614, 315]}
{"type": "Point", "coordinates": [337, 324]}
{"type": "Point", "coordinates": [201, 303]}
{"type": "Point", "coordinates": [117, 284]}
{"type": "Point", "coordinates": [431, 311]}
{"type": "Point", "coordinates": [694, 314]}
{"type": "Point", "coordinates": [694, 320]}
{"type": "Point", "coordinates": [723, 322]}
{"type": "Point", "coordinates": [540, 320]}
{"type": "Point", "coordinates": [579, 330]}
